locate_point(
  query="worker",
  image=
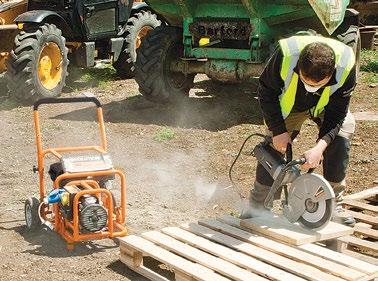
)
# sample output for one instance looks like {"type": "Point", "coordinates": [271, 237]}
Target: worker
{"type": "Point", "coordinates": [308, 77]}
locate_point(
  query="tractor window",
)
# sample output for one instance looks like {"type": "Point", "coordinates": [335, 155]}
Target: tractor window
{"type": "Point", "coordinates": [102, 21]}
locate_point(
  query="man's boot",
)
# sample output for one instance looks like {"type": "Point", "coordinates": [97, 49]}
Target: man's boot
{"type": "Point", "coordinates": [254, 206]}
{"type": "Point", "coordinates": [340, 215]}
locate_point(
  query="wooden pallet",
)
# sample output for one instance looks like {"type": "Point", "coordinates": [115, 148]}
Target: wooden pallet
{"type": "Point", "coordinates": [364, 241]}
{"type": "Point", "coordinates": [223, 249]}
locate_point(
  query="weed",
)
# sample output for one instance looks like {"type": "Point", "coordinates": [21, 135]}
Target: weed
{"type": "Point", "coordinates": [164, 134]}
{"type": "Point", "coordinates": [369, 61]}
{"type": "Point", "coordinates": [98, 76]}
{"type": "Point", "coordinates": [52, 127]}
{"type": "Point", "coordinates": [104, 84]}
{"type": "Point", "coordinates": [234, 213]}
{"type": "Point", "coordinates": [369, 78]}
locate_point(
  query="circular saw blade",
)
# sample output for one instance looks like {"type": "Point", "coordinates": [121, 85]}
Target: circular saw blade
{"type": "Point", "coordinates": [313, 198]}
{"type": "Point", "coordinates": [319, 218]}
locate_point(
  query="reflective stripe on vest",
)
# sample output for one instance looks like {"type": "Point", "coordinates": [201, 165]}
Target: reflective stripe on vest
{"type": "Point", "coordinates": [291, 48]}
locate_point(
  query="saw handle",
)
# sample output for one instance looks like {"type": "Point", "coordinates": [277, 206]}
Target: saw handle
{"type": "Point", "coordinates": [289, 153]}
{"type": "Point", "coordinates": [289, 158]}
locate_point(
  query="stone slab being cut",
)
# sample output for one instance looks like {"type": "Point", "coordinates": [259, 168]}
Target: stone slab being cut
{"type": "Point", "coordinates": [279, 228]}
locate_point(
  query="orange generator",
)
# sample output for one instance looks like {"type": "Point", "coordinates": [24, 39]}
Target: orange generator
{"type": "Point", "coordinates": [80, 205]}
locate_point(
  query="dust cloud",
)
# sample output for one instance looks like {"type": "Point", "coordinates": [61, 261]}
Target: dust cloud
{"type": "Point", "coordinates": [182, 179]}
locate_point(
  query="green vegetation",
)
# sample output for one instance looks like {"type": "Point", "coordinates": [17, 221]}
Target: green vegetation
{"type": "Point", "coordinates": [51, 127]}
{"type": "Point", "coordinates": [100, 76]}
{"type": "Point", "coordinates": [369, 78]}
{"type": "Point", "coordinates": [164, 135]}
{"type": "Point", "coordinates": [369, 61]}
{"type": "Point", "coordinates": [234, 213]}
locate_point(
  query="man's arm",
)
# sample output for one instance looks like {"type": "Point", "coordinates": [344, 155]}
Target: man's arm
{"type": "Point", "coordinates": [270, 88]}
{"type": "Point", "coordinates": [337, 109]}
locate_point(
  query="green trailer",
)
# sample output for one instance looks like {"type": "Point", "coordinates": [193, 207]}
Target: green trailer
{"type": "Point", "coordinates": [228, 40]}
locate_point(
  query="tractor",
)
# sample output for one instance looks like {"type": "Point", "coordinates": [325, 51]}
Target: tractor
{"type": "Point", "coordinates": [49, 34]}
{"type": "Point", "coordinates": [229, 40]}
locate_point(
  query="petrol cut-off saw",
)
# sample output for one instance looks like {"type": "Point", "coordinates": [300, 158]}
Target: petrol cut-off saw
{"type": "Point", "coordinates": [309, 198]}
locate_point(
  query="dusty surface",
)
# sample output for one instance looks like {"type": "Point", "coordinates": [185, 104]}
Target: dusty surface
{"type": "Point", "coordinates": [168, 182]}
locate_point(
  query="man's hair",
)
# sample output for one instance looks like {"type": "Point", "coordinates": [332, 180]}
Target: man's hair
{"type": "Point", "coordinates": [317, 61]}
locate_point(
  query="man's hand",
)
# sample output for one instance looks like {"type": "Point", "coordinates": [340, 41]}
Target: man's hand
{"type": "Point", "coordinates": [281, 141]}
{"type": "Point", "coordinates": [314, 155]}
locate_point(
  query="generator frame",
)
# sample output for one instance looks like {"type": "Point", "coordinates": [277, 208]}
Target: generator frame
{"type": "Point", "coordinates": [70, 230]}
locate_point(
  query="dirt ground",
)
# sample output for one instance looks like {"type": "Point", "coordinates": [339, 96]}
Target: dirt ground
{"type": "Point", "coordinates": [176, 160]}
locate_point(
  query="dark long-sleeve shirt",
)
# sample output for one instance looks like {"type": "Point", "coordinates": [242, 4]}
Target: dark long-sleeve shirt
{"type": "Point", "coordinates": [270, 88]}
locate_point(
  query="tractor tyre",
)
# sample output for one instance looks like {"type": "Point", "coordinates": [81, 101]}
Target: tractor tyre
{"type": "Point", "coordinates": [351, 36]}
{"type": "Point", "coordinates": [31, 209]}
{"type": "Point", "coordinates": [37, 66]}
{"type": "Point", "coordinates": [158, 50]}
{"type": "Point", "coordinates": [137, 28]}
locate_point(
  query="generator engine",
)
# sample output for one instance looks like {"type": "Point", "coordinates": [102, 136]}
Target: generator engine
{"type": "Point", "coordinates": [92, 214]}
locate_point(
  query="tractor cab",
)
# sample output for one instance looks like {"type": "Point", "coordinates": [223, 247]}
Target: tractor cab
{"type": "Point", "coordinates": [83, 20]}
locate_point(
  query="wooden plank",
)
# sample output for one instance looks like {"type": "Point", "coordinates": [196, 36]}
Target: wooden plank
{"type": "Point", "coordinates": [279, 228]}
{"type": "Point", "coordinates": [340, 258]}
{"type": "Point", "coordinates": [373, 277]}
{"type": "Point", "coordinates": [363, 244]}
{"type": "Point", "coordinates": [362, 224]}
{"type": "Point", "coordinates": [362, 257]}
{"type": "Point", "coordinates": [360, 205]}
{"type": "Point", "coordinates": [144, 271]}
{"type": "Point", "coordinates": [284, 250]}
{"type": "Point", "coordinates": [183, 277]}
{"type": "Point", "coordinates": [299, 269]}
{"type": "Point", "coordinates": [372, 233]}
{"type": "Point", "coordinates": [134, 260]}
{"type": "Point", "coordinates": [225, 268]}
{"type": "Point", "coordinates": [364, 218]}
{"type": "Point", "coordinates": [230, 255]}
{"type": "Point", "coordinates": [365, 194]}
{"type": "Point", "coordinates": [178, 263]}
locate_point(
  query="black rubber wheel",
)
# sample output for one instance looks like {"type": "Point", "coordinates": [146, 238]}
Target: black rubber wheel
{"type": "Point", "coordinates": [37, 66]}
{"type": "Point", "coordinates": [329, 207]}
{"type": "Point", "coordinates": [32, 219]}
{"type": "Point", "coordinates": [137, 27]}
{"type": "Point", "coordinates": [350, 36]}
{"type": "Point", "coordinates": [156, 81]}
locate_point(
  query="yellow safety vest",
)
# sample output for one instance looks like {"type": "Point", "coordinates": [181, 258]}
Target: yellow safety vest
{"type": "Point", "coordinates": [291, 48]}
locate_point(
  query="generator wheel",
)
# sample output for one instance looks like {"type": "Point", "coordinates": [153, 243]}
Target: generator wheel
{"type": "Point", "coordinates": [32, 219]}
{"type": "Point", "coordinates": [37, 66]}
{"type": "Point", "coordinates": [156, 81]}
{"type": "Point", "coordinates": [137, 28]}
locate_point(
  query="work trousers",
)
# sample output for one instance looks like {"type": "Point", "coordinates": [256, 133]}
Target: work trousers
{"type": "Point", "coordinates": [335, 157]}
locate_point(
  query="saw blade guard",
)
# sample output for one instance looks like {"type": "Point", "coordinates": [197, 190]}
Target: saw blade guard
{"type": "Point", "coordinates": [311, 201]}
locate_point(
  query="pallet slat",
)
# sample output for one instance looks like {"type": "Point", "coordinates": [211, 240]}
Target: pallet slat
{"type": "Point", "coordinates": [289, 265]}
{"type": "Point", "coordinates": [362, 257]}
{"type": "Point", "coordinates": [363, 244]}
{"type": "Point", "coordinates": [364, 218]}
{"type": "Point", "coordinates": [180, 264]}
{"type": "Point", "coordinates": [365, 194]}
{"type": "Point", "coordinates": [340, 258]}
{"type": "Point", "coordinates": [225, 268]}
{"type": "Point", "coordinates": [230, 255]}
{"type": "Point", "coordinates": [372, 233]}
{"type": "Point", "coordinates": [230, 227]}
{"type": "Point", "coordinates": [360, 205]}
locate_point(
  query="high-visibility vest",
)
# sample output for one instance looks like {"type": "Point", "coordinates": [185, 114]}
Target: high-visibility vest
{"type": "Point", "coordinates": [291, 49]}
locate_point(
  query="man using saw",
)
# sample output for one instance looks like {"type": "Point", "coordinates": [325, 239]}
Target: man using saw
{"type": "Point", "coordinates": [308, 77]}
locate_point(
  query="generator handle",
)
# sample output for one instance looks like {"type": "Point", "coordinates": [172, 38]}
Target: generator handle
{"type": "Point", "coordinates": [66, 100]}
